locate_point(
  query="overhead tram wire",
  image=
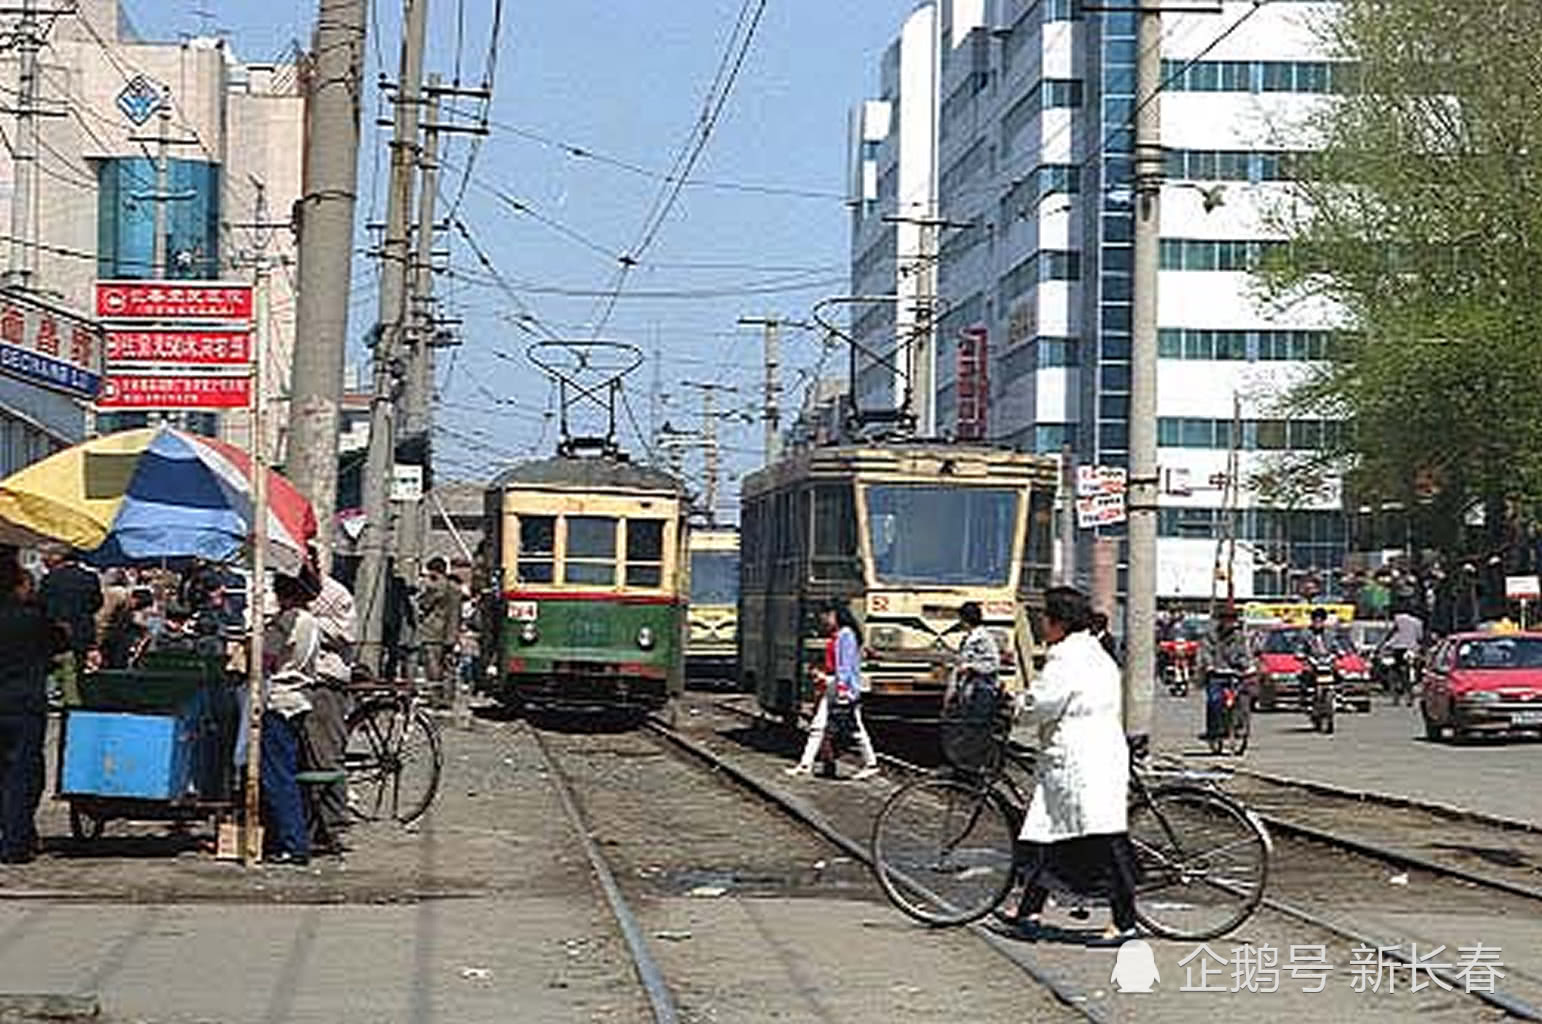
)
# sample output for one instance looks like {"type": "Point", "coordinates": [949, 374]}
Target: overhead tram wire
{"type": "Point", "coordinates": [671, 192]}
{"type": "Point", "coordinates": [581, 152]}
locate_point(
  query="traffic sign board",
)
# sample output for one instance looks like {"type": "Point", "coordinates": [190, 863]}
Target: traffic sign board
{"type": "Point", "coordinates": [1523, 588]}
{"type": "Point", "coordinates": [1095, 480]}
{"type": "Point", "coordinates": [1100, 510]}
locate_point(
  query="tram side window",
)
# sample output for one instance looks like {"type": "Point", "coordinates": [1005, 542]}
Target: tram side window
{"type": "Point", "coordinates": [753, 547]}
{"type": "Point", "coordinates": [1039, 560]}
{"type": "Point", "coordinates": [537, 549]}
{"type": "Point", "coordinates": [835, 533]}
{"type": "Point", "coordinates": [644, 552]}
{"type": "Point", "coordinates": [787, 542]}
{"type": "Point", "coordinates": [591, 555]}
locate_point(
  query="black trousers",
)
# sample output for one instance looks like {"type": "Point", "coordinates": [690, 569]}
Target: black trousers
{"type": "Point", "coordinates": [21, 780]}
{"type": "Point", "coordinates": [1097, 863]}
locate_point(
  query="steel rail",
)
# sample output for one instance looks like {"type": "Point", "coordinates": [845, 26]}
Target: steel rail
{"type": "Point", "coordinates": [660, 999]}
{"type": "Point", "coordinates": [1061, 989]}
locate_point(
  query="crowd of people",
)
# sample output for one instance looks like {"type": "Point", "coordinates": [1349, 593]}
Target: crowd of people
{"type": "Point", "coordinates": [62, 620]}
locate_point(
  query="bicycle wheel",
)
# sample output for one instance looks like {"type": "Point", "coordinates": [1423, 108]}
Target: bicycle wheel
{"type": "Point", "coordinates": [1201, 862]}
{"type": "Point", "coordinates": [942, 850]}
{"type": "Point", "coordinates": [393, 761]}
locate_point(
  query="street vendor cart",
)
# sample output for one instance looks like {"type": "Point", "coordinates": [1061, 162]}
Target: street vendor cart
{"type": "Point", "coordinates": [154, 742]}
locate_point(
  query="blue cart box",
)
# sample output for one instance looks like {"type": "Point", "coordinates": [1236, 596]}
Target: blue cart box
{"type": "Point", "coordinates": [116, 754]}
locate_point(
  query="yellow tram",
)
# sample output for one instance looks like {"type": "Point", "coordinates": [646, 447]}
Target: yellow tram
{"type": "Point", "coordinates": [906, 532]}
{"type": "Point", "coordinates": [711, 651]}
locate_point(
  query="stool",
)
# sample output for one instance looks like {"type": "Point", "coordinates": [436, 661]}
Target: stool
{"type": "Point", "coordinates": [311, 785]}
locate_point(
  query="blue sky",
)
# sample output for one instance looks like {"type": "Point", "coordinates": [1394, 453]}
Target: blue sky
{"type": "Point", "coordinates": [623, 79]}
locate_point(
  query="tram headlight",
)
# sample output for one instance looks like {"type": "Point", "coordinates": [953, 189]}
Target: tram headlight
{"type": "Point", "coordinates": [887, 637]}
{"type": "Point", "coordinates": [528, 634]}
{"type": "Point", "coordinates": [645, 638]}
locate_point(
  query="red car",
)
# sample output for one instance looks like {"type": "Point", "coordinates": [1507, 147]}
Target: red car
{"type": "Point", "coordinates": [1279, 668]}
{"type": "Point", "coordinates": [1483, 683]}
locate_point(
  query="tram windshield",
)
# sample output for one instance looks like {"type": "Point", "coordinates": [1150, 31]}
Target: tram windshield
{"type": "Point", "coordinates": [714, 577]}
{"type": "Point", "coordinates": [944, 535]}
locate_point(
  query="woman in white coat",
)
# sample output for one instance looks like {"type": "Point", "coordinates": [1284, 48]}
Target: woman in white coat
{"type": "Point", "coordinates": [1076, 827]}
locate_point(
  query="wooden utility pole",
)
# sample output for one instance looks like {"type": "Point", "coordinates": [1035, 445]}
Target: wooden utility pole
{"type": "Point", "coordinates": [323, 218]}
{"type": "Point", "coordinates": [371, 586]}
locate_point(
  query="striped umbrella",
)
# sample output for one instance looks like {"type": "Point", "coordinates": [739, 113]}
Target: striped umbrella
{"type": "Point", "coordinates": [156, 494]}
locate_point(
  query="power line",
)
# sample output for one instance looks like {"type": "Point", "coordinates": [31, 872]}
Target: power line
{"type": "Point", "coordinates": [582, 152]}
{"type": "Point", "coordinates": [723, 85]}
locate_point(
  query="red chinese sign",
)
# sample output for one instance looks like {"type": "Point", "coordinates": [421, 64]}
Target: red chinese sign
{"type": "Point", "coordinates": [145, 392]}
{"type": "Point", "coordinates": [173, 300]}
{"type": "Point", "coordinates": [186, 347]}
{"type": "Point", "coordinates": [972, 384]}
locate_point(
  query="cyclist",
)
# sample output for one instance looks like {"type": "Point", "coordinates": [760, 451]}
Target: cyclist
{"type": "Point", "coordinates": [1076, 824]}
{"type": "Point", "coordinates": [1224, 648]}
{"type": "Point", "coordinates": [972, 699]}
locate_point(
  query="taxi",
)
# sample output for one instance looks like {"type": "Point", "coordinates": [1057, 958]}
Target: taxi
{"type": "Point", "coordinates": [1483, 683]}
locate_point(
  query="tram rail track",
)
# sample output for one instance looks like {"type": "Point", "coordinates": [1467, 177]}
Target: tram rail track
{"type": "Point", "coordinates": [1506, 1002]}
{"type": "Point", "coordinates": [661, 1001]}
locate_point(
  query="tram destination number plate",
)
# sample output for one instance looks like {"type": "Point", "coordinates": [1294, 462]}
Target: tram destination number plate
{"type": "Point", "coordinates": [523, 611]}
{"type": "Point", "coordinates": [1526, 718]}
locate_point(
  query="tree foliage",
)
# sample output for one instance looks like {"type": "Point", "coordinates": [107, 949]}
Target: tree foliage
{"type": "Point", "coordinates": [1418, 218]}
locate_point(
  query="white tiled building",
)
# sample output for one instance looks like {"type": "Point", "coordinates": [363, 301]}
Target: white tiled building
{"type": "Point", "coordinates": [239, 125]}
{"type": "Point", "coordinates": [1033, 151]}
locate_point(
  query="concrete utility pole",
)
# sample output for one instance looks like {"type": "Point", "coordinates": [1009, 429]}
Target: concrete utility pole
{"type": "Point", "coordinates": [370, 587]}
{"type": "Point", "coordinates": [1140, 607]}
{"type": "Point", "coordinates": [416, 411]}
{"type": "Point", "coordinates": [1067, 516]}
{"type": "Point", "coordinates": [772, 412]}
{"type": "Point", "coordinates": [23, 259]}
{"type": "Point", "coordinates": [323, 217]}
{"type": "Point", "coordinates": [709, 415]}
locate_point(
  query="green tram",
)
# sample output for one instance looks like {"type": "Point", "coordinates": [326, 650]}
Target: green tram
{"type": "Point", "coordinates": [906, 533]}
{"type": "Point", "coordinates": [590, 569]}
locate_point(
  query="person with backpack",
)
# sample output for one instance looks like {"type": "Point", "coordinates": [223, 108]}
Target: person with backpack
{"type": "Point", "coordinates": [838, 707]}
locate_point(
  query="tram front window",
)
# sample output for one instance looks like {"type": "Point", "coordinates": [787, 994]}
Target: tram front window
{"type": "Point", "coordinates": [714, 577]}
{"type": "Point", "coordinates": [942, 535]}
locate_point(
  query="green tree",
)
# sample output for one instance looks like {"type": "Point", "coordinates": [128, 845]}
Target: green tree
{"type": "Point", "coordinates": [1418, 217]}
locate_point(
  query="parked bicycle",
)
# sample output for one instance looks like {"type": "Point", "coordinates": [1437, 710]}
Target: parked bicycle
{"type": "Point", "coordinates": [393, 756]}
{"type": "Point", "coordinates": [943, 846]}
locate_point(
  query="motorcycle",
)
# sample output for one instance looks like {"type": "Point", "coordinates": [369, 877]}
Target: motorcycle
{"type": "Point", "coordinates": [1177, 659]}
{"type": "Point", "coordinates": [1223, 689]}
{"type": "Point", "coordinates": [1399, 672]}
{"type": "Point", "coordinates": [1320, 692]}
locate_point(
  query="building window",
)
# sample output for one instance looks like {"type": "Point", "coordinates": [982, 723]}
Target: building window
{"type": "Point", "coordinates": [1259, 76]}
{"type": "Point", "coordinates": [1061, 92]}
{"type": "Point", "coordinates": [1213, 254]}
{"type": "Point", "coordinates": [126, 220]}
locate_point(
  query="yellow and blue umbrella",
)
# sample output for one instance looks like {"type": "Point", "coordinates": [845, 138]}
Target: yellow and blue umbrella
{"type": "Point", "coordinates": [155, 494]}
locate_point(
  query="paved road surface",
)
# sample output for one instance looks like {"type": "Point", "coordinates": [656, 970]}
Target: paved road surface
{"type": "Point", "coordinates": [1384, 751]}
